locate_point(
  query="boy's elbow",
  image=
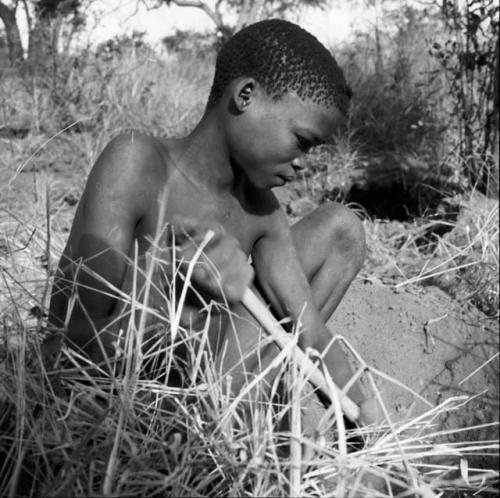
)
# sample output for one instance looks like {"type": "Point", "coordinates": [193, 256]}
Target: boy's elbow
{"type": "Point", "coordinates": [93, 337]}
{"type": "Point", "coordinates": [79, 332]}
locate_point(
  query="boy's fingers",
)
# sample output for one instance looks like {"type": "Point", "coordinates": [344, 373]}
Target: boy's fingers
{"type": "Point", "coordinates": [179, 230]}
{"type": "Point", "coordinates": [230, 277]}
{"type": "Point", "coordinates": [188, 242]}
{"type": "Point", "coordinates": [232, 273]}
{"type": "Point", "coordinates": [235, 283]}
{"type": "Point", "coordinates": [185, 229]}
{"type": "Point", "coordinates": [179, 221]}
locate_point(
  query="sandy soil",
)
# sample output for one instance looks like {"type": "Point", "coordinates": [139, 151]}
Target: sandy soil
{"type": "Point", "coordinates": [420, 337]}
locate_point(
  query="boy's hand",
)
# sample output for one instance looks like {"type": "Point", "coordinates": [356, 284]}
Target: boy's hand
{"type": "Point", "coordinates": [232, 273]}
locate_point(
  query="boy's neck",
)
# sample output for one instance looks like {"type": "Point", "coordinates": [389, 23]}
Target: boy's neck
{"type": "Point", "coordinates": [206, 156]}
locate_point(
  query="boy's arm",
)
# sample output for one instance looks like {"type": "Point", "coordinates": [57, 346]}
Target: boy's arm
{"type": "Point", "coordinates": [114, 199]}
{"type": "Point", "coordinates": [285, 286]}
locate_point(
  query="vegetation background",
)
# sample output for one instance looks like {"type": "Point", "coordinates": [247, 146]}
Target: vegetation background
{"type": "Point", "coordinates": [419, 162]}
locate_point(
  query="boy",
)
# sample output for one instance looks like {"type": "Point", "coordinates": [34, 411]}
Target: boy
{"type": "Point", "coordinates": [276, 93]}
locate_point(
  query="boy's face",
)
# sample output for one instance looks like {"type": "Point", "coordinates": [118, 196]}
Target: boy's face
{"type": "Point", "coordinates": [269, 139]}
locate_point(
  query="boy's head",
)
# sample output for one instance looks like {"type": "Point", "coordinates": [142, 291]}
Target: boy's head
{"type": "Point", "coordinates": [282, 57]}
{"type": "Point", "coordinates": [279, 92]}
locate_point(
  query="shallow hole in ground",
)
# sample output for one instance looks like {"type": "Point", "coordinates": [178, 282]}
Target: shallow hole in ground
{"type": "Point", "coordinates": [399, 201]}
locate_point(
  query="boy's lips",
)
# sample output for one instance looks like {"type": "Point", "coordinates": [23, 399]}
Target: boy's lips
{"type": "Point", "coordinates": [287, 178]}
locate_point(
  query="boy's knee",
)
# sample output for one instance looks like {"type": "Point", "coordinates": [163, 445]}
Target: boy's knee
{"type": "Point", "coordinates": [347, 232]}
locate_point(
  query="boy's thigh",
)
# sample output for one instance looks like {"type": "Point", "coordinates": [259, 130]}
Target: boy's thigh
{"type": "Point", "coordinates": [313, 227]}
{"type": "Point", "coordinates": [333, 228]}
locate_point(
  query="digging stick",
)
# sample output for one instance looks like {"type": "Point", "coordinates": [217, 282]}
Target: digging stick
{"type": "Point", "coordinates": [260, 312]}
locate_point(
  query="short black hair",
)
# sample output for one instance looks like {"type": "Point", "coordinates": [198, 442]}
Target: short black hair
{"type": "Point", "coordinates": [282, 57]}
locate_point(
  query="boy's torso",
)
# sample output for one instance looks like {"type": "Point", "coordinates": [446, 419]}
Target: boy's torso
{"type": "Point", "coordinates": [244, 213]}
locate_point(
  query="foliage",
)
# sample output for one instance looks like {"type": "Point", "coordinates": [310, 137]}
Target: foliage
{"type": "Point", "coordinates": [53, 8]}
{"type": "Point", "coordinates": [279, 8]}
{"type": "Point", "coordinates": [225, 12]}
{"type": "Point", "coordinates": [121, 45]}
{"type": "Point", "coordinates": [393, 156]}
{"type": "Point", "coordinates": [44, 19]}
{"type": "Point", "coordinates": [468, 58]}
{"type": "Point", "coordinates": [199, 44]}
{"type": "Point", "coordinates": [8, 14]}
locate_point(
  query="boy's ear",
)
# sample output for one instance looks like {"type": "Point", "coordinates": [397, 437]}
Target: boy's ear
{"type": "Point", "coordinates": [243, 93]}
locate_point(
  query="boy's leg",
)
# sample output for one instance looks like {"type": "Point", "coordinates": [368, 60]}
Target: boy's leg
{"type": "Point", "coordinates": [330, 264]}
{"type": "Point", "coordinates": [336, 255]}
{"type": "Point", "coordinates": [339, 247]}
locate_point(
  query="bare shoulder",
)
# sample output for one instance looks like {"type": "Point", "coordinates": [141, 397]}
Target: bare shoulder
{"type": "Point", "coordinates": [124, 180]}
{"type": "Point", "coordinates": [131, 154]}
{"type": "Point", "coordinates": [130, 166]}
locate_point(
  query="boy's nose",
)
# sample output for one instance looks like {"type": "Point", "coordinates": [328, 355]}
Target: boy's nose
{"type": "Point", "coordinates": [297, 164]}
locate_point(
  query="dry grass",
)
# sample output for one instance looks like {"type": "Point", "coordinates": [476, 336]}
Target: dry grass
{"type": "Point", "coordinates": [79, 434]}
{"type": "Point", "coordinates": [464, 261]}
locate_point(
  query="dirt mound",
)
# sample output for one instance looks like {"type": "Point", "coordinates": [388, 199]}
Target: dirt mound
{"type": "Point", "coordinates": [420, 337]}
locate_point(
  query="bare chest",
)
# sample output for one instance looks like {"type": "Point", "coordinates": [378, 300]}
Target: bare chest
{"type": "Point", "coordinates": [208, 208]}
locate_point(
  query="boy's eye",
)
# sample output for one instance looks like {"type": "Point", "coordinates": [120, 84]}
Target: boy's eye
{"type": "Point", "coordinates": [303, 143]}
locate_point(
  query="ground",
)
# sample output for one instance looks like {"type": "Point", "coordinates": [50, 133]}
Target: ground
{"type": "Point", "coordinates": [420, 337]}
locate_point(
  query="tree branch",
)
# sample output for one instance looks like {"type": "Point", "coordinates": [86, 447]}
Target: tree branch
{"type": "Point", "coordinates": [28, 16]}
{"type": "Point", "coordinates": [214, 15]}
